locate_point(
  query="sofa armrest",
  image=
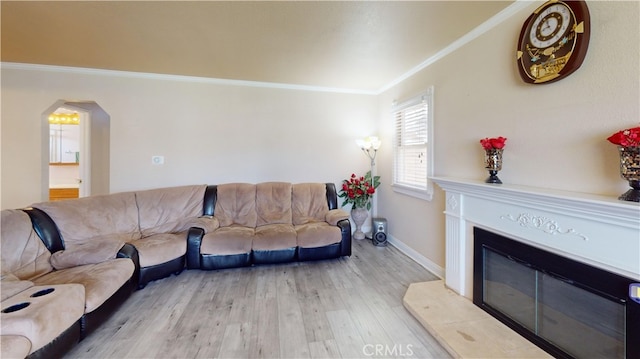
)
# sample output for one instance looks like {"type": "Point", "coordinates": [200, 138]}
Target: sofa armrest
{"type": "Point", "coordinates": [345, 244]}
{"type": "Point", "coordinates": [336, 215]}
{"type": "Point", "coordinates": [129, 251]}
{"type": "Point", "coordinates": [198, 228]}
{"type": "Point", "coordinates": [206, 223]}
{"type": "Point", "coordinates": [194, 240]}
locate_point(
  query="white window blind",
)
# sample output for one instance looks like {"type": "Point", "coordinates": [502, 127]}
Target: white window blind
{"type": "Point", "coordinates": [412, 145]}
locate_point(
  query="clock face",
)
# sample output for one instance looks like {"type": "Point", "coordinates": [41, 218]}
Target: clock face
{"type": "Point", "coordinates": [550, 26]}
{"type": "Point", "coordinates": [553, 41]}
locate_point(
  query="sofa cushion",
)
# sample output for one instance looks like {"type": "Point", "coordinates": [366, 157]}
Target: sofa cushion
{"type": "Point", "coordinates": [94, 218]}
{"type": "Point", "coordinates": [274, 237]}
{"type": "Point", "coordinates": [100, 280]}
{"type": "Point", "coordinates": [169, 210]}
{"type": "Point", "coordinates": [229, 240]}
{"type": "Point", "coordinates": [47, 316]}
{"type": "Point", "coordinates": [160, 248]}
{"type": "Point", "coordinates": [309, 202]}
{"type": "Point", "coordinates": [11, 285]}
{"type": "Point", "coordinates": [14, 346]}
{"type": "Point", "coordinates": [236, 204]}
{"type": "Point", "coordinates": [317, 234]}
{"type": "Point", "coordinates": [88, 253]}
{"type": "Point", "coordinates": [273, 203]}
{"type": "Point", "coordinates": [23, 254]}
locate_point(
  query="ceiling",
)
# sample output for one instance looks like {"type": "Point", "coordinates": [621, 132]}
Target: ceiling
{"type": "Point", "coordinates": [360, 45]}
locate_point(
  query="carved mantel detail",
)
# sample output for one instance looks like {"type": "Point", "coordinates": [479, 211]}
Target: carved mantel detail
{"type": "Point", "coordinates": [544, 224]}
{"type": "Point", "coordinates": [452, 203]}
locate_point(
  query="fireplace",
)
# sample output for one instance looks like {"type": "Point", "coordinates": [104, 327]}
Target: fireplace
{"type": "Point", "coordinates": [596, 237]}
{"type": "Point", "coordinates": [567, 308]}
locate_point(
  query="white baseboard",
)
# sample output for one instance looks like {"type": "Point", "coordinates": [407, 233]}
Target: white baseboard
{"type": "Point", "coordinates": [419, 258]}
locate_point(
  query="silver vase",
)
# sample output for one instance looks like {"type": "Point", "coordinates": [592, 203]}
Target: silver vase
{"type": "Point", "coordinates": [493, 163]}
{"type": "Point", "coordinates": [630, 170]}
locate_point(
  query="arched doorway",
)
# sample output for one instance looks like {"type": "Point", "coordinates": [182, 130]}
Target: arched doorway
{"type": "Point", "coordinates": [88, 158]}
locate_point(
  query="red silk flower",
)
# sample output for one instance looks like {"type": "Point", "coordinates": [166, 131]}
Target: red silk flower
{"type": "Point", "coordinates": [491, 143]}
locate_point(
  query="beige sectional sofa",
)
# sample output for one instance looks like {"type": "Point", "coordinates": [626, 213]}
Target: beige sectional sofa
{"type": "Point", "coordinates": [45, 310]}
{"type": "Point", "coordinates": [67, 265]}
{"type": "Point", "coordinates": [270, 222]}
{"type": "Point", "coordinates": [155, 222]}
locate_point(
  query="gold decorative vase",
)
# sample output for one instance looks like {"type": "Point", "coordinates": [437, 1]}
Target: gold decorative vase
{"type": "Point", "coordinates": [493, 163]}
{"type": "Point", "coordinates": [630, 171]}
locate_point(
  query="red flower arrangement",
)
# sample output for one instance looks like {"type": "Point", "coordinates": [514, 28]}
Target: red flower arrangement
{"type": "Point", "coordinates": [626, 138]}
{"type": "Point", "coordinates": [493, 143]}
{"type": "Point", "coordinates": [358, 190]}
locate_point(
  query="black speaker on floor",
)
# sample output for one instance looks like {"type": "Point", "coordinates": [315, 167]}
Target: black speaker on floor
{"type": "Point", "coordinates": [379, 236]}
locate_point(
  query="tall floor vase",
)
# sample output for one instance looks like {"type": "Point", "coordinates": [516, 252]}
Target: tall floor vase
{"type": "Point", "coordinates": [630, 170]}
{"type": "Point", "coordinates": [359, 216]}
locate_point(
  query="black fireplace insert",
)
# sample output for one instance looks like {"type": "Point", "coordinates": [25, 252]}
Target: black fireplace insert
{"type": "Point", "coordinates": [568, 308]}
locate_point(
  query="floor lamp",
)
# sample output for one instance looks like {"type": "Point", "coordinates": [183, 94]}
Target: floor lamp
{"type": "Point", "coordinates": [370, 145]}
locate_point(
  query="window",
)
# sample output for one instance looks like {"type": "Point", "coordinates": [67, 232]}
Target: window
{"type": "Point", "coordinates": [413, 146]}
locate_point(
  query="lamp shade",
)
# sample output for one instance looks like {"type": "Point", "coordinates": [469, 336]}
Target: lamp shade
{"type": "Point", "coordinates": [368, 143]}
{"type": "Point", "coordinates": [375, 142]}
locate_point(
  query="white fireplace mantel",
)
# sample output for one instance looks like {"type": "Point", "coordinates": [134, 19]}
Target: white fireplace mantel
{"type": "Point", "coordinates": [603, 232]}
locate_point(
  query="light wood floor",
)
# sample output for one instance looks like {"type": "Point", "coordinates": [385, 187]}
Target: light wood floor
{"type": "Point", "coordinates": [343, 308]}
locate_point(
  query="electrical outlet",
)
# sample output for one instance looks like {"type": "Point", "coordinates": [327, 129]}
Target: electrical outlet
{"type": "Point", "coordinates": [157, 160]}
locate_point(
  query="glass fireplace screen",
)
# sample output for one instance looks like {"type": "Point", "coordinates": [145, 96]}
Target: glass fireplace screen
{"type": "Point", "coordinates": [581, 323]}
{"type": "Point", "coordinates": [568, 308]}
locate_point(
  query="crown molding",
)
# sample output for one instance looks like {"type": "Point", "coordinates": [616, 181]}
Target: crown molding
{"type": "Point", "coordinates": [470, 36]}
{"type": "Point", "coordinates": [177, 78]}
{"type": "Point", "coordinates": [494, 21]}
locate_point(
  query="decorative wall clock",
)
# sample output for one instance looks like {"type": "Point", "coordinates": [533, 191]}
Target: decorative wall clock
{"type": "Point", "coordinates": [553, 41]}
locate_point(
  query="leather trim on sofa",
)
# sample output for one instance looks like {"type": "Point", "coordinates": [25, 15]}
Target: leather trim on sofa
{"type": "Point", "coordinates": [195, 234]}
{"type": "Point", "coordinates": [151, 273]}
{"type": "Point", "coordinates": [129, 251]}
{"type": "Point", "coordinates": [273, 256]}
{"type": "Point", "coordinates": [60, 345]}
{"type": "Point", "coordinates": [332, 196]}
{"type": "Point", "coordinates": [91, 321]}
{"type": "Point", "coordinates": [210, 197]}
{"type": "Point", "coordinates": [345, 244]}
{"type": "Point", "coordinates": [194, 239]}
{"type": "Point", "coordinates": [46, 229]}
{"type": "Point", "coordinates": [318, 253]}
{"type": "Point", "coordinates": [212, 261]}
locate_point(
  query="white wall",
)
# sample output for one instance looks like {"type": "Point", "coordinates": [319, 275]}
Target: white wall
{"type": "Point", "coordinates": [207, 132]}
{"type": "Point", "coordinates": [212, 133]}
{"type": "Point", "coordinates": [556, 132]}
